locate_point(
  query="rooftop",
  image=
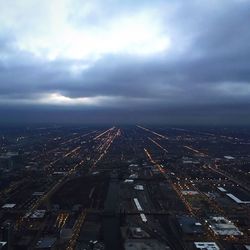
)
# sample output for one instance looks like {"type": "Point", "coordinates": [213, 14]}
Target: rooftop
{"type": "Point", "coordinates": [45, 242]}
{"type": "Point", "coordinates": [9, 205]}
{"type": "Point", "coordinates": [206, 245]}
{"type": "Point", "coordinates": [189, 225]}
{"type": "Point", "coordinates": [145, 244]}
{"type": "Point", "coordinates": [222, 226]}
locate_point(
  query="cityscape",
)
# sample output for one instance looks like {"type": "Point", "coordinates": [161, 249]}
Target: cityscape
{"type": "Point", "coordinates": [124, 187]}
{"type": "Point", "coordinates": [124, 125]}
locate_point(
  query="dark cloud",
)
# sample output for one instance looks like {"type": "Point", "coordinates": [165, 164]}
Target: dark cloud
{"type": "Point", "coordinates": [203, 77]}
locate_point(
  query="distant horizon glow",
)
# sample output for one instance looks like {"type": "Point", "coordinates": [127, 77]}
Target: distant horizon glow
{"type": "Point", "coordinates": [58, 99]}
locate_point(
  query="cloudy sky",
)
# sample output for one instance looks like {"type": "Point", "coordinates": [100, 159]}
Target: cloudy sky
{"type": "Point", "coordinates": [125, 61]}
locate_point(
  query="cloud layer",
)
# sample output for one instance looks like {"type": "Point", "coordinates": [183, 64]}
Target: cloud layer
{"type": "Point", "coordinates": [125, 61]}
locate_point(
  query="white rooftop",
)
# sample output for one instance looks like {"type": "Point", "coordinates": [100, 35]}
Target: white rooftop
{"type": "Point", "coordinates": [133, 176]}
{"type": "Point", "coordinates": [139, 187]}
{"type": "Point", "coordinates": [9, 205]}
{"type": "Point", "coordinates": [228, 157]}
{"type": "Point", "coordinates": [143, 217]}
{"type": "Point", "coordinates": [222, 226]}
{"type": "Point", "coordinates": [137, 204]}
{"type": "Point", "coordinates": [206, 245]}
{"type": "Point", "coordinates": [129, 181]}
{"type": "Point", "coordinates": [133, 165]}
{"type": "Point", "coordinates": [37, 214]}
{"type": "Point", "coordinates": [2, 243]}
{"type": "Point", "coordinates": [222, 189]}
{"type": "Point", "coordinates": [237, 200]}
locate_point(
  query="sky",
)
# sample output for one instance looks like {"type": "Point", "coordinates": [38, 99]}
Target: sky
{"type": "Point", "coordinates": [125, 62]}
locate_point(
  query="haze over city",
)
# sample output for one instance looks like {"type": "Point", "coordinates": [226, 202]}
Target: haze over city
{"type": "Point", "coordinates": [125, 62]}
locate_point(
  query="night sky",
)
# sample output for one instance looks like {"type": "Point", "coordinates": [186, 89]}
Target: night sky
{"type": "Point", "coordinates": [125, 62]}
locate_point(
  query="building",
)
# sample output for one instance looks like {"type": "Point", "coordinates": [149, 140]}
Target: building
{"type": "Point", "coordinates": [223, 227]}
{"type": "Point", "coordinates": [7, 234]}
{"type": "Point", "coordinates": [190, 226]}
{"type": "Point", "coordinates": [3, 245]}
{"type": "Point", "coordinates": [46, 243]}
{"type": "Point", "coordinates": [146, 244]}
{"type": "Point", "coordinates": [206, 245]}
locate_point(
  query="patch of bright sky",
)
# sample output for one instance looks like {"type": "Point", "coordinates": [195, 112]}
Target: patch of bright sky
{"type": "Point", "coordinates": [233, 89]}
{"type": "Point", "coordinates": [49, 33]}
